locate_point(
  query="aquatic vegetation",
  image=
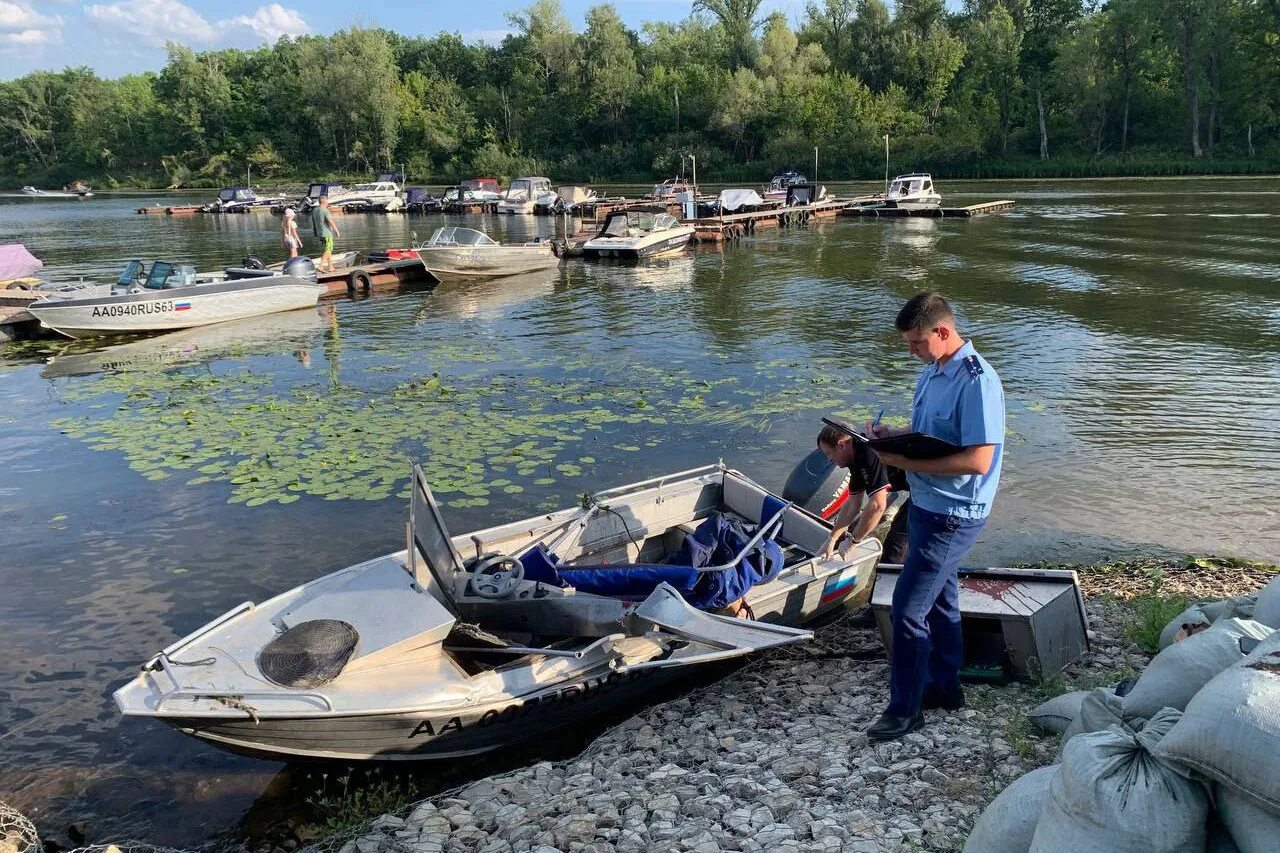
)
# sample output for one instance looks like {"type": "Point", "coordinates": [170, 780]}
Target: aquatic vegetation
{"type": "Point", "coordinates": [485, 421]}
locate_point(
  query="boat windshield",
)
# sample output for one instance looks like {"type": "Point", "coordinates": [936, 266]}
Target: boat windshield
{"type": "Point", "coordinates": [165, 275]}
{"type": "Point", "coordinates": [635, 223]}
{"type": "Point", "coordinates": [133, 272]}
{"type": "Point", "coordinates": [457, 236]}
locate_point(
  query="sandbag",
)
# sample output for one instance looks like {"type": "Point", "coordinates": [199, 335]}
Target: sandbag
{"type": "Point", "coordinates": [1008, 824]}
{"type": "Point", "coordinates": [1057, 713]}
{"type": "Point", "coordinates": [1099, 710]}
{"type": "Point", "coordinates": [1267, 610]}
{"type": "Point", "coordinates": [1113, 796]}
{"type": "Point", "coordinates": [1253, 829]}
{"type": "Point", "coordinates": [1178, 672]}
{"type": "Point", "coordinates": [1230, 732]}
{"type": "Point", "coordinates": [1202, 614]}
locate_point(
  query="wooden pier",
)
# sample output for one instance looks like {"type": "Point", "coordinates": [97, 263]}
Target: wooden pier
{"type": "Point", "coordinates": [16, 322]}
{"type": "Point", "coordinates": [931, 212]}
{"type": "Point", "coordinates": [374, 275]}
{"type": "Point", "coordinates": [470, 207]}
{"type": "Point", "coordinates": [732, 226]}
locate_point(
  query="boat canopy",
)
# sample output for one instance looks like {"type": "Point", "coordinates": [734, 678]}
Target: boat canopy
{"type": "Point", "coordinates": [574, 194]}
{"type": "Point", "coordinates": [236, 194]}
{"type": "Point", "coordinates": [17, 262]}
{"type": "Point", "coordinates": [636, 223]}
{"type": "Point", "coordinates": [734, 199]}
{"type": "Point", "coordinates": [911, 184]}
{"type": "Point", "coordinates": [456, 235]}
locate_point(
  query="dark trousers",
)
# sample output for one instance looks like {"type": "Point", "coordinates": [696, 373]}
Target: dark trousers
{"type": "Point", "coordinates": [927, 644]}
{"type": "Point", "coordinates": [895, 541]}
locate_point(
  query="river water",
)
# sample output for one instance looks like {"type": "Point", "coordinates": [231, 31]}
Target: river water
{"type": "Point", "coordinates": [154, 484]}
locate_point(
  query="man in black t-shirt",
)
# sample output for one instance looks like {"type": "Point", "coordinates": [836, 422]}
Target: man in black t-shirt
{"type": "Point", "coordinates": [868, 477]}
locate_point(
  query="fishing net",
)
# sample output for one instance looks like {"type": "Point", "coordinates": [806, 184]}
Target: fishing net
{"type": "Point", "coordinates": [17, 834]}
{"type": "Point", "coordinates": [309, 654]}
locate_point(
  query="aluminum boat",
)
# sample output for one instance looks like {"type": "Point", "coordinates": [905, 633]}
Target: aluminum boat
{"type": "Point", "coordinates": [465, 644]}
{"type": "Point", "coordinates": [457, 252]}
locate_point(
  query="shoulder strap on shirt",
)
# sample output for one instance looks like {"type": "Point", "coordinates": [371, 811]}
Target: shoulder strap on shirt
{"type": "Point", "coordinates": [974, 366]}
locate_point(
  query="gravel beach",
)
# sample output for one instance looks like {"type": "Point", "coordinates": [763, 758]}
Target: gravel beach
{"type": "Point", "coordinates": [771, 758]}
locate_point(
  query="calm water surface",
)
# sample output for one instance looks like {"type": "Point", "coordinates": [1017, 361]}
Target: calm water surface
{"type": "Point", "coordinates": [153, 484]}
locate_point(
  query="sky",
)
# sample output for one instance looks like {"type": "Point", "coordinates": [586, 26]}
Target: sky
{"type": "Point", "coordinates": [115, 37]}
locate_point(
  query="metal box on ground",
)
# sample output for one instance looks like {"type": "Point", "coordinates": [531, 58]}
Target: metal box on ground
{"type": "Point", "coordinates": [1017, 623]}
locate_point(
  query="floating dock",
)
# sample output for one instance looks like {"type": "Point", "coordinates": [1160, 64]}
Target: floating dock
{"type": "Point", "coordinates": [470, 207]}
{"type": "Point", "coordinates": [372, 276]}
{"type": "Point", "coordinates": [16, 322]}
{"type": "Point", "coordinates": [931, 212]}
{"type": "Point", "coordinates": [732, 226]}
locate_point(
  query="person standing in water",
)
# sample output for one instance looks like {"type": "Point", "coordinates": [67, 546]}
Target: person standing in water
{"type": "Point", "coordinates": [289, 233]}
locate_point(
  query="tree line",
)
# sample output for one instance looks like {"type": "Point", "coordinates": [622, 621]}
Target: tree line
{"type": "Point", "coordinates": [1000, 87]}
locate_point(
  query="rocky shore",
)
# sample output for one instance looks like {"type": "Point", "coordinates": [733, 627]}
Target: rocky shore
{"type": "Point", "coordinates": [771, 758]}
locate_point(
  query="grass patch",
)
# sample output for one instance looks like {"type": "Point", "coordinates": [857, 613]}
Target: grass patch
{"type": "Point", "coordinates": [1147, 615]}
{"type": "Point", "coordinates": [348, 803]}
{"type": "Point", "coordinates": [1020, 735]}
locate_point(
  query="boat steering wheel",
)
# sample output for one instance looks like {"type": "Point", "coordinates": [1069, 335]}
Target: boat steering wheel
{"type": "Point", "coordinates": [497, 576]}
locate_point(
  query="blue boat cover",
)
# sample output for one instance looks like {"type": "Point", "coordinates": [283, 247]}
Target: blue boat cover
{"type": "Point", "coordinates": [715, 541]}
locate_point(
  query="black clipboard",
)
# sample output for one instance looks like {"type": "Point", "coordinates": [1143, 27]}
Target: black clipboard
{"type": "Point", "coordinates": [913, 445]}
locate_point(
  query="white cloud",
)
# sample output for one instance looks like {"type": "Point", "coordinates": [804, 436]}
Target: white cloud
{"type": "Point", "coordinates": [29, 38]}
{"type": "Point", "coordinates": [158, 21]}
{"type": "Point", "coordinates": [14, 16]}
{"type": "Point", "coordinates": [271, 22]}
{"type": "Point", "coordinates": [22, 28]}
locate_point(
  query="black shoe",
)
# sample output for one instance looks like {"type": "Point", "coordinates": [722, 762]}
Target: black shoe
{"type": "Point", "coordinates": [945, 701]}
{"type": "Point", "coordinates": [889, 727]}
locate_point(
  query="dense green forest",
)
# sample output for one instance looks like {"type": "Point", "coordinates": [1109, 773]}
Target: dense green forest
{"type": "Point", "coordinates": [999, 88]}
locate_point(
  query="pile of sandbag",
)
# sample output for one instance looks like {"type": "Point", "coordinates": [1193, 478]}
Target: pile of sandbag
{"type": "Point", "coordinates": [1184, 760]}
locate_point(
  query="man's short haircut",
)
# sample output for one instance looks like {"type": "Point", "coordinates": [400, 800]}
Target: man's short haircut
{"type": "Point", "coordinates": [830, 436]}
{"type": "Point", "coordinates": [924, 311]}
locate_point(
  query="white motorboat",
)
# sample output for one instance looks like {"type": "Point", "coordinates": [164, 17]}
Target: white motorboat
{"type": "Point", "coordinates": [170, 296]}
{"type": "Point", "coordinates": [912, 192]}
{"type": "Point", "coordinates": [375, 195]}
{"type": "Point", "coordinates": [780, 183]}
{"type": "Point", "coordinates": [456, 252]}
{"type": "Point", "coordinates": [525, 194]}
{"type": "Point", "coordinates": [240, 199]}
{"type": "Point", "coordinates": [77, 190]}
{"type": "Point", "coordinates": [467, 644]}
{"type": "Point", "coordinates": [634, 234]}
{"type": "Point", "coordinates": [481, 189]}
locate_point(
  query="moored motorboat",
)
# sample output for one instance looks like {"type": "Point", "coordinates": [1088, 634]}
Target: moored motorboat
{"type": "Point", "coordinates": [240, 199]}
{"type": "Point", "coordinates": [466, 644]}
{"type": "Point", "coordinates": [168, 296]}
{"type": "Point", "coordinates": [780, 183]}
{"type": "Point", "coordinates": [457, 252]}
{"type": "Point", "coordinates": [525, 194]}
{"type": "Point", "coordinates": [635, 233]}
{"type": "Point", "coordinates": [914, 191]}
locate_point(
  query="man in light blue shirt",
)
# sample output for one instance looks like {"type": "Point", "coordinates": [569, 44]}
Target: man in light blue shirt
{"type": "Point", "coordinates": [959, 399]}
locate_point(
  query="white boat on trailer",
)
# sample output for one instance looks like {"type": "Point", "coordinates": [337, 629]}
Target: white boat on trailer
{"type": "Point", "coordinates": [427, 654]}
{"type": "Point", "coordinates": [169, 296]}
{"type": "Point", "coordinates": [455, 252]}
{"type": "Point", "coordinates": [636, 233]}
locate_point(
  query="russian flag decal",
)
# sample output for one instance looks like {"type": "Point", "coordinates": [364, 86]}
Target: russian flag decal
{"type": "Point", "coordinates": [839, 584]}
{"type": "Point", "coordinates": [182, 306]}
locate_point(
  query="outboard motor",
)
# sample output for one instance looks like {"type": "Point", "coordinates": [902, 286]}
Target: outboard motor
{"type": "Point", "coordinates": [817, 485]}
{"type": "Point", "coordinates": [300, 267]}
